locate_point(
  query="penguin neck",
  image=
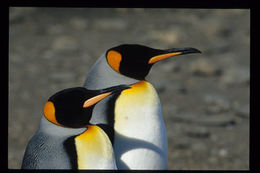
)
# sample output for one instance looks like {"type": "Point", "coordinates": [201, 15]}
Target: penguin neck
{"type": "Point", "coordinates": [55, 130]}
{"type": "Point", "coordinates": [140, 140]}
{"type": "Point", "coordinates": [101, 75]}
{"type": "Point", "coordinates": [94, 149]}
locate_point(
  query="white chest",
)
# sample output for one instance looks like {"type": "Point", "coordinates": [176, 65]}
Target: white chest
{"type": "Point", "coordinates": [94, 149]}
{"type": "Point", "coordinates": [140, 135]}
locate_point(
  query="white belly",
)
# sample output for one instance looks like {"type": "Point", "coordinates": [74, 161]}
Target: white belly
{"type": "Point", "coordinates": [140, 136]}
{"type": "Point", "coordinates": [94, 149]}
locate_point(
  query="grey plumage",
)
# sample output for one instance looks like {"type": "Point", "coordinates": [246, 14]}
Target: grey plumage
{"type": "Point", "coordinates": [46, 147]}
{"type": "Point", "coordinates": [101, 75]}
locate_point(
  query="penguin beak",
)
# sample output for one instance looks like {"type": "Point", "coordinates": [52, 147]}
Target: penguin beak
{"type": "Point", "coordinates": [172, 52]}
{"type": "Point", "coordinates": [103, 94]}
{"type": "Point", "coordinates": [95, 99]}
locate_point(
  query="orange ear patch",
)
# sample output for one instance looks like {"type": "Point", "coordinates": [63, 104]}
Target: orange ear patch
{"type": "Point", "coordinates": [49, 113]}
{"type": "Point", "coordinates": [114, 58]}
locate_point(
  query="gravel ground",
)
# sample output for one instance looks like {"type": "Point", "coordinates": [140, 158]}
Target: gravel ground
{"type": "Point", "coordinates": [205, 97]}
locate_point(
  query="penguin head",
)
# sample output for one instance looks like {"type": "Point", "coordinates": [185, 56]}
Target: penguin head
{"type": "Point", "coordinates": [73, 107]}
{"type": "Point", "coordinates": [135, 60]}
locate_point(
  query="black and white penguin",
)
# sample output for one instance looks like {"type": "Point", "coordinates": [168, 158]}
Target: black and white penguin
{"type": "Point", "coordinates": [66, 139]}
{"type": "Point", "coordinates": [140, 140]}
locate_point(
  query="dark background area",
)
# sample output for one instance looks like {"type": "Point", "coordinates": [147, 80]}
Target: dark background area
{"type": "Point", "coordinates": [204, 97]}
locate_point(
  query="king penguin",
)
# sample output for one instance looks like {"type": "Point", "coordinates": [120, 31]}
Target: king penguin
{"type": "Point", "coordinates": [66, 139]}
{"type": "Point", "coordinates": [140, 140]}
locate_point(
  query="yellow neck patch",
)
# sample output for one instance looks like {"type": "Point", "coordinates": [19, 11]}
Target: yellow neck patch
{"type": "Point", "coordinates": [133, 104]}
{"type": "Point", "coordinates": [94, 149]}
{"type": "Point", "coordinates": [139, 93]}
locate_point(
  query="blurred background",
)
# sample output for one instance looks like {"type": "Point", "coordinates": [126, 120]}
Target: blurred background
{"type": "Point", "coordinates": [204, 97]}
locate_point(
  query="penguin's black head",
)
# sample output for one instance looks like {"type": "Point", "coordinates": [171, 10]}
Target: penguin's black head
{"type": "Point", "coordinates": [73, 107]}
{"type": "Point", "coordinates": [135, 60]}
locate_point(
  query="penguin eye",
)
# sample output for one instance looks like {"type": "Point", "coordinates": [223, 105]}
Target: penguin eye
{"type": "Point", "coordinates": [114, 58]}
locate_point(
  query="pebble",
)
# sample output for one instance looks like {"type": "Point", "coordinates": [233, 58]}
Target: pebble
{"type": "Point", "coordinates": [170, 36]}
{"type": "Point", "coordinates": [79, 23]}
{"type": "Point", "coordinates": [183, 118]}
{"type": "Point", "coordinates": [198, 132]}
{"type": "Point", "coordinates": [55, 29]}
{"type": "Point", "coordinates": [15, 58]}
{"type": "Point", "coordinates": [216, 104]}
{"type": "Point", "coordinates": [64, 43]}
{"type": "Point", "coordinates": [18, 14]}
{"type": "Point", "coordinates": [222, 47]}
{"type": "Point", "coordinates": [213, 160]}
{"type": "Point", "coordinates": [235, 75]}
{"type": "Point", "coordinates": [182, 90]}
{"type": "Point", "coordinates": [223, 120]}
{"type": "Point", "coordinates": [199, 146]}
{"type": "Point", "coordinates": [110, 24]}
{"type": "Point", "coordinates": [223, 152]}
{"type": "Point", "coordinates": [182, 143]}
{"type": "Point", "coordinates": [242, 111]}
{"type": "Point", "coordinates": [64, 76]}
{"type": "Point", "coordinates": [204, 67]}
{"type": "Point", "coordinates": [48, 55]}
{"type": "Point", "coordinates": [170, 67]}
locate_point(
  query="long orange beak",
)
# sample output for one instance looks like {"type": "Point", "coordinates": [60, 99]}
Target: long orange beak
{"type": "Point", "coordinates": [95, 99]}
{"type": "Point", "coordinates": [103, 94]}
{"type": "Point", "coordinates": [172, 52]}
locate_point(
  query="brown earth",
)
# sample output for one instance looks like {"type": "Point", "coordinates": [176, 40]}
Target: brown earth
{"type": "Point", "coordinates": [205, 97]}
